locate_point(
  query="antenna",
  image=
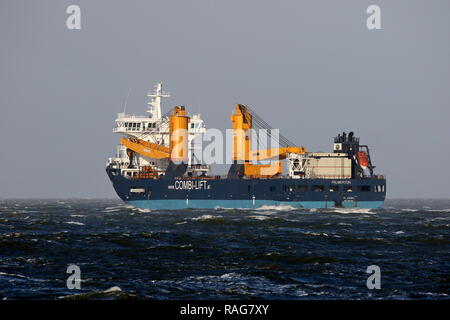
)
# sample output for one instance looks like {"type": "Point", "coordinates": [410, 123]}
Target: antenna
{"type": "Point", "coordinates": [155, 102]}
{"type": "Point", "coordinates": [126, 101]}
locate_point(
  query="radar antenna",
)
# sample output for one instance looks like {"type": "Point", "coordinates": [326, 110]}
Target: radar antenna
{"type": "Point", "coordinates": [155, 102]}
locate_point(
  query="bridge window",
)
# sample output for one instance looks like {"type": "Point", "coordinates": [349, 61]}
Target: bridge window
{"type": "Point", "coordinates": [273, 188]}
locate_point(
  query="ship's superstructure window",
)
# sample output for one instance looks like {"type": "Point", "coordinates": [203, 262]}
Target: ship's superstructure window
{"type": "Point", "coordinates": [132, 126]}
{"type": "Point", "coordinates": [348, 189]}
{"type": "Point", "coordinates": [379, 188]}
{"type": "Point", "coordinates": [302, 188]}
{"type": "Point", "coordinates": [273, 188]}
{"type": "Point", "coordinates": [290, 188]}
{"type": "Point", "coordinates": [317, 188]}
{"type": "Point", "coordinates": [334, 188]}
{"type": "Point", "coordinates": [364, 188]}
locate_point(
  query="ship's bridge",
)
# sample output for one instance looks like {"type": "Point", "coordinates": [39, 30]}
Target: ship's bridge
{"type": "Point", "coordinates": [132, 124]}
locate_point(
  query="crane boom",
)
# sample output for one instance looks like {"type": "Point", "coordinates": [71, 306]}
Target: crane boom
{"type": "Point", "coordinates": [145, 148]}
{"type": "Point", "coordinates": [242, 123]}
{"type": "Point", "coordinates": [178, 144]}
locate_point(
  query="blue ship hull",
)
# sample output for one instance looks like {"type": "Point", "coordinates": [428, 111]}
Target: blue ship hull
{"type": "Point", "coordinates": [245, 204]}
{"type": "Point", "coordinates": [182, 193]}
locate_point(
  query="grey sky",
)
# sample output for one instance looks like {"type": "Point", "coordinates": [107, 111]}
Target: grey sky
{"type": "Point", "coordinates": [310, 68]}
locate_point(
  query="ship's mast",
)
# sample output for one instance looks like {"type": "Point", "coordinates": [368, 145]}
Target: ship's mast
{"type": "Point", "coordinates": [155, 102]}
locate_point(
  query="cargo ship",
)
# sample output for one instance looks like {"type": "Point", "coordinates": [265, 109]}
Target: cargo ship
{"type": "Point", "coordinates": [157, 166]}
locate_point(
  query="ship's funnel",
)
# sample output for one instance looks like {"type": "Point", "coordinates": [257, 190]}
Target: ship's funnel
{"type": "Point", "coordinates": [178, 130]}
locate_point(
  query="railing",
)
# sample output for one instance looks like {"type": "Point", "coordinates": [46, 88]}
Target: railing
{"type": "Point", "coordinates": [130, 116]}
{"type": "Point", "coordinates": [341, 140]}
{"type": "Point", "coordinates": [376, 177]}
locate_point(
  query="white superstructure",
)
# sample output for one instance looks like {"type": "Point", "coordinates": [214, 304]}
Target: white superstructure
{"type": "Point", "coordinates": [155, 128]}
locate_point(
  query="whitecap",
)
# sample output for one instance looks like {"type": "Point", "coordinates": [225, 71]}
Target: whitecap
{"type": "Point", "coordinates": [316, 234]}
{"type": "Point", "coordinates": [14, 275]}
{"type": "Point", "coordinates": [275, 208]}
{"type": "Point", "coordinates": [231, 275]}
{"type": "Point", "coordinates": [352, 210]}
{"type": "Point", "coordinates": [207, 217]}
{"type": "Point", "coordinates": [113, 289]}
{"type": "Point", "coordinates": [259, 217]}
{"type": "Point", "coordinates": [76, 223]}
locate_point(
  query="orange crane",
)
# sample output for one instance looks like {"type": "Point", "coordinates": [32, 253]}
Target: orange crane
{"type": "Point", "coordinates": [178, 143]}
{"type": "Point", "coordinates": [242, 123]}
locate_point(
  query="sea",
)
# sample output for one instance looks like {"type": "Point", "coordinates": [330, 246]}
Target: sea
{"type": "Point", "coordinates": [105, 249]}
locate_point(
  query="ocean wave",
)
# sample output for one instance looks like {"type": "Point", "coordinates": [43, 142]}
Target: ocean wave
{"type": "Point", "coordinates": [259, 217]}
{"type": "Point", "coordinates": [207, 217]}
{"type": "Point", "coordinates": [171, 247]}
{"type": "Point", "coordinates": [142, 210]}
{"type": "Point", "coordinates": [13, 275]}
{"type": "Point", "coordinates": [112, 209]}
{"type": "Point", "coordinates": [111, 293]}
{"type": "Point", "coordinates": [316, 234]}
{"type": "Point", "coordinates": [222, 253]}
{"type": "Point", "coordinates": [231, 275]}
{"type": "Point", "coordinates": [20, 276]}
{"type": "Point", "coordinates": [75, 223]}
{"type": "Point", "coordinates": [275, 208]}
{"type": "Point", "coordinates": [349, 210]}
{"type": "Point", "coordinates": [12, 235]}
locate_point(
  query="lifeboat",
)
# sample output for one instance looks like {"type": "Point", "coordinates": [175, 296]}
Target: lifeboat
{"type": "Point", "coordinates": [363, 159]}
